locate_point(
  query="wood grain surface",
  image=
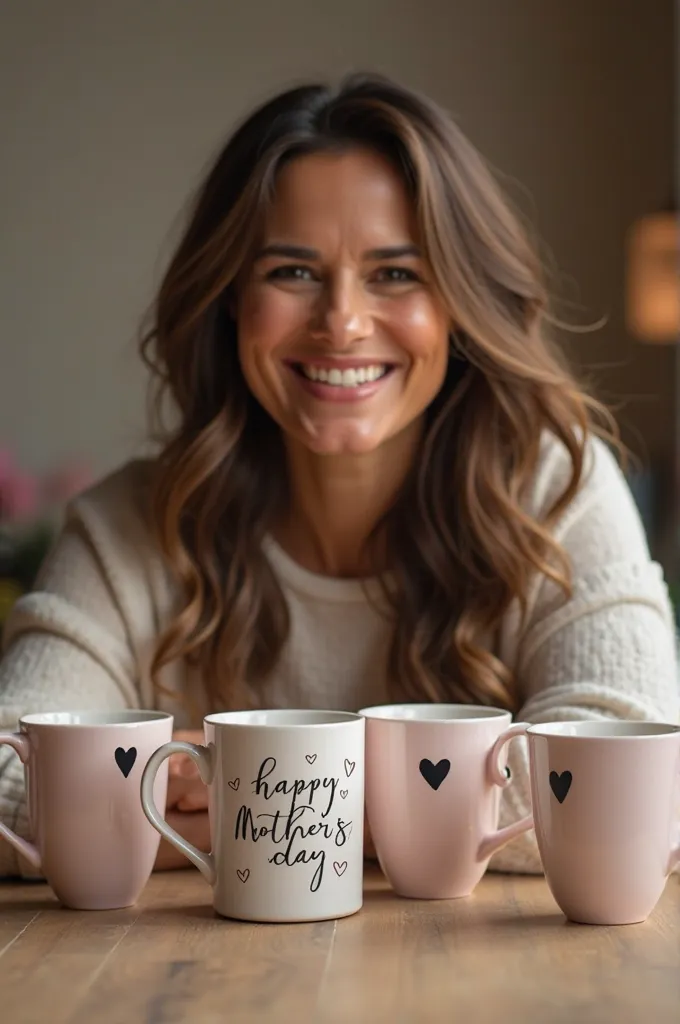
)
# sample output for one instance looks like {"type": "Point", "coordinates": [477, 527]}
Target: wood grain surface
{"type": "Point", "coordinates": [505, 954]}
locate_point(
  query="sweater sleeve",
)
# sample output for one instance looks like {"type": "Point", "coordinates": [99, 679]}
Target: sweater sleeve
{"type": "Point", "coordinates": [66, 646]}
{"type": "Point", "coordinates": [606, 652]}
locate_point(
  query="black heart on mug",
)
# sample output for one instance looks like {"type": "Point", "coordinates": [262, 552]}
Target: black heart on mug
{"type": "Point", "coordinates": [434, 774]}
{"type": "Point", "coordinates": [310, 758]}
{"type": "Point", "coordinates": [343, 793]}
{"type": "Point", "coordinates": [340, 868]}
{"type": "Point", "coordinates": [243, 875]}
{"type": "Point", "coordinates": [349, 767]}
{"type": "Point", "coordinates": [560, 785]}
{"type": "Point", "coordinates": [125, 759]}
{"type": "Point", "coordinates": [234, 783]}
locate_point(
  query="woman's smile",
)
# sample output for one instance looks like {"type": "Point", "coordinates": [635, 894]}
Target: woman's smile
{"type": "Point", "coordinates": [353, 380]}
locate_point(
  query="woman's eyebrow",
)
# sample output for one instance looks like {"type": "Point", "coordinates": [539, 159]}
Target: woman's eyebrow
{"type": "Point", "coordinates": [300, 252]}
{"type": "Point", "coordinates": [295, 252]}
{"type": "Point", "coordinates": [393, 252]}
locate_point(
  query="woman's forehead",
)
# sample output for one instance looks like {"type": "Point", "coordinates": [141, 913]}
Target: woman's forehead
{"type": "Point", "coordinates": [327, 196]}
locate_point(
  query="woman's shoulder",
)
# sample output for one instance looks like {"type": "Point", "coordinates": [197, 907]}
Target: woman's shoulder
{"type": "Point", "coordinates": [115, 510]}
{"type": "Point", "coordinates": [601, 524]}
{"type": "Point", "coordinates": [601, 473]}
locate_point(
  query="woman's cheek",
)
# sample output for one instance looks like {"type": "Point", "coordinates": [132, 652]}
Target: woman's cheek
{"type": "Point", "coordinates": [419, 328]}
{"type": "Point", "coordinates": [272, 319]}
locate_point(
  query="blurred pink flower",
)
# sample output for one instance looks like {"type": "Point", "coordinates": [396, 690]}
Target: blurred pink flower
{"type": "Point", "coordinates": [18, 496]}
{"type": "Point", "coordinates": [64, 483]}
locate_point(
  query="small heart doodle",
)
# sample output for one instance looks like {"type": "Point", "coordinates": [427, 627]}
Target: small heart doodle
{"type": "Point", "coordinates": [560, 785]}
{"type": "Point", "coordinates": [243, 875]}
{"type": "Point", "coordinates": [434, 774]}
{"type": "Point", "coordinates": [349, 767]}
{"type": "Point", "coordinates": [125, 759]}
{"type": "Point", "coordinates": [340, 868]}
{"type": "Point", "coordinates": [343, 793]}
{"type": "Point", "coordinates": [310, 758]}
{"type": "Point", "coordinates": [234, 783]}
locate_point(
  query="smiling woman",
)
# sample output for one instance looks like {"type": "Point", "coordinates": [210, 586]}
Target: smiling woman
{"type": "Point", "coordinates": [381, 482]}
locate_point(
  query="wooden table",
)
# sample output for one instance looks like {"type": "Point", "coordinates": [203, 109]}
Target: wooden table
{"type": "Point", "coordinates": [506, 954]}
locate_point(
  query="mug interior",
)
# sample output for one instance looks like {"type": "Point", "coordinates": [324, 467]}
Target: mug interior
{"type": "Point", "coordinates": [603, 730]}
{"type": "Point", "coordinates": [280, 717]}
{"type": "Point", "coordinates": [433, 712]}
{"type": "Point", "coordinates": [96, 718]}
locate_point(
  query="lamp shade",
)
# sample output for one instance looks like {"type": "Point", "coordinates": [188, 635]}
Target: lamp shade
{"type": "Point", "coordinates": [653, 287]}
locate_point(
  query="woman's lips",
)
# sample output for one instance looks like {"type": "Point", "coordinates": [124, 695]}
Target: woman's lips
{"type": "Point", "coordinates": [346, 389]}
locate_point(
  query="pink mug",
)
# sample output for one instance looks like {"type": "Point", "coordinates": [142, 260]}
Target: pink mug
{"type": "Point", "coordinates": [606, 797]}
{"type": "Point", "coordinates": [83, 772]}
{"type": "Point", "coordinates": [434, 775]}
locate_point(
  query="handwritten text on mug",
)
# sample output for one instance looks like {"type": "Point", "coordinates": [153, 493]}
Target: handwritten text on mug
{"type": "Point", "coordinates": [303, 823]}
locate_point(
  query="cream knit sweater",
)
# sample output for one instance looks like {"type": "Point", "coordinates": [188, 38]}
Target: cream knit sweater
{"type": "Point", "coordinates": [85, 637]}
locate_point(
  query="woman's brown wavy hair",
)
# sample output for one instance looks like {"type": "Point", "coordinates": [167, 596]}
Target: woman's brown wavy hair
{"type": "Point", "coordinates": [461, 546]}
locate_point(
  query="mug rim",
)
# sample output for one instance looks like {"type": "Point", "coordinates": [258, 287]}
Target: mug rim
{"type": "Point", "coordinates": [605, 730]}
{"type": "Point", "coordinates": [318, 718]}
{"type": "Point", "coordinates": [473, 713]}
{"type": "Point", "coordinates": [126, 718]}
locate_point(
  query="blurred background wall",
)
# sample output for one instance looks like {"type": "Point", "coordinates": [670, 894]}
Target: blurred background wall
{"type": "Point", "coordinates": [110, 111]}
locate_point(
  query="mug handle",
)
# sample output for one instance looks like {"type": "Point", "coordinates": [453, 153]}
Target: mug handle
{"type": "Point", "coordinates": [205, 862]}
{"type": "Point", "coordinates": [490, 844]}
{"type": "Point", "coordinates": [19, 741]}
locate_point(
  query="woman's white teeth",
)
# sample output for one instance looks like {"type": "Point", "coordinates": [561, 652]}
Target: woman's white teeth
{"type": "Point", "coordinates": [345, 378]}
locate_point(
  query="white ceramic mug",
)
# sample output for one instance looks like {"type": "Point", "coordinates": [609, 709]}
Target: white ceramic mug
{"type": "Point", "coordinates": [83, 771]}
{"type": "Point", "coordinates": [286, 805]}
{"type": "Point", "coordinates": [606, 798]}
{"type": "Point", "coordinates": [434, 776]}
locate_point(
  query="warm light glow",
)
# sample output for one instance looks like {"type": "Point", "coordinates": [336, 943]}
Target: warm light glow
{"type": "Point", "coordinates": [653, 293]}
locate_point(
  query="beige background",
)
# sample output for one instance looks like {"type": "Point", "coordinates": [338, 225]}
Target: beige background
{"type": "Point", "coordinates": [110, 111]}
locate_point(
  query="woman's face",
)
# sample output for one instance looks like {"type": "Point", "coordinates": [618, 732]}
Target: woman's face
{"type": "Point", "coordinates": [342, 337]}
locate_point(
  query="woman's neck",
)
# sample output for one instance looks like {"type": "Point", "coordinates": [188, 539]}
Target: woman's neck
{"type": "Point", "coordinates": [337, 501]}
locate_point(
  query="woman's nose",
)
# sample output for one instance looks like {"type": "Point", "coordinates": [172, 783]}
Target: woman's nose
{"type": "Point", "coordinates": [344, 315]}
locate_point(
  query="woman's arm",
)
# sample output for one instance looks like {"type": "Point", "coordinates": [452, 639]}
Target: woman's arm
{"type": "Point", "coordinates": [609, 651]}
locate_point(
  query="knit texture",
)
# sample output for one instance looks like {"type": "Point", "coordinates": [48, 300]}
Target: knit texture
{"type": "Point", "coordinates": [85, 637]}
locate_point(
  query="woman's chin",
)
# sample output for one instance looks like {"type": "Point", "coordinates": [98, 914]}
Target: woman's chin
{"type": "Point", "coordinates": [341, 439]}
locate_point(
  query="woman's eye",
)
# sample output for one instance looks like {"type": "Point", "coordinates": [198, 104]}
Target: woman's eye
{"type": "Point", "coordinates": [397, 275]}
{"type": "Point", "coordinates": [290, 273]}
{"type": "Point", "coordinates": [297, 272]}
